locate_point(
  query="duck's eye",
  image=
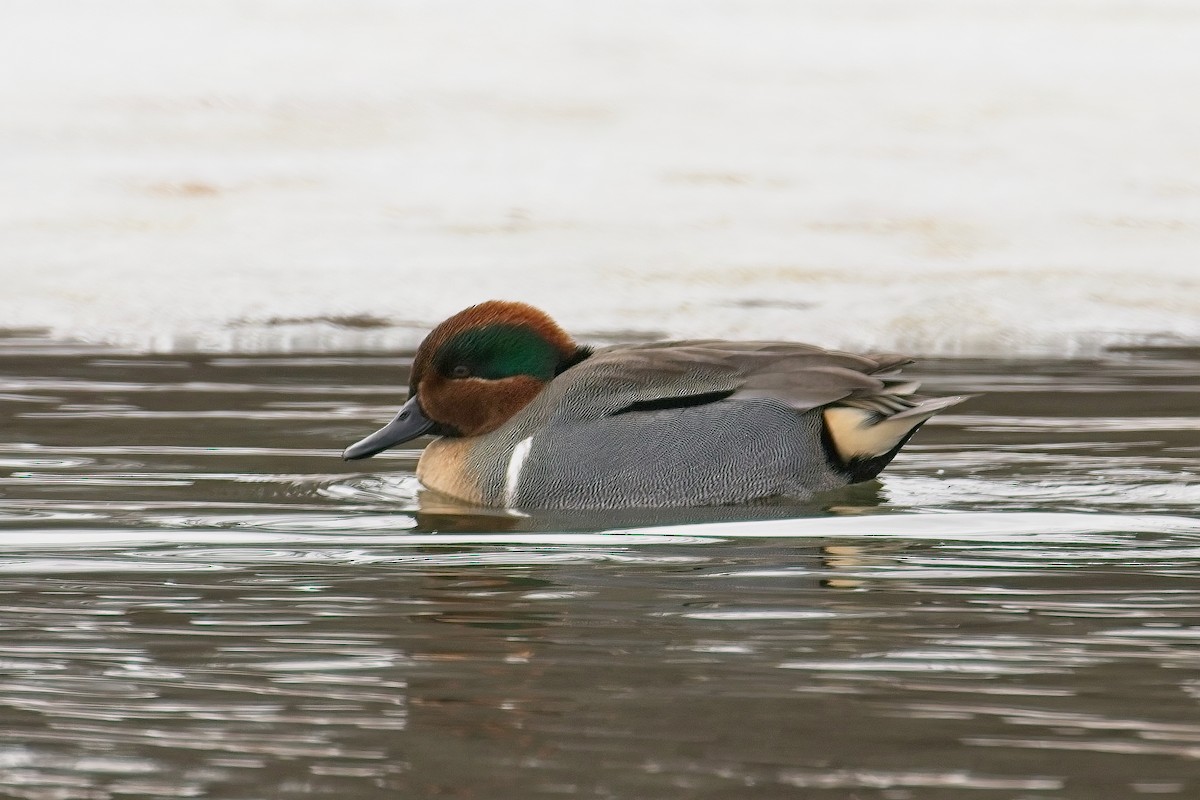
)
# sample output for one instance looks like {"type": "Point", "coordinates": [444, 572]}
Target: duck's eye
{"type": "Point", "coordinates": [460, 371]}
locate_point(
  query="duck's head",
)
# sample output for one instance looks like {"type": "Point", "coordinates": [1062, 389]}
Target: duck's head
{"type": "Point", "coordinates": [474, 372]}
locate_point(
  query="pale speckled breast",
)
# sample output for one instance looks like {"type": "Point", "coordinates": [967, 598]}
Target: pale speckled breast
{"type": "Point", "coordinates": [446, 467]}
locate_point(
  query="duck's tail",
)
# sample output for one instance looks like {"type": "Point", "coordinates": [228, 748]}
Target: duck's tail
{"type": "Point", "coordinates": [864, 433]}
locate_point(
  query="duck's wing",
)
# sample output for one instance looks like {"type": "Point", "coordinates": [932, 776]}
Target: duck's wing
{"type": "Point", "coordinates": [627, 379]}
{"type": "Point", "coordinates": [868, 410]}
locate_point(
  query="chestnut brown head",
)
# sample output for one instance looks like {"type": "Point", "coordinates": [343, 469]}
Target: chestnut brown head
{"type": "Point", "coordinates": [475, 371]}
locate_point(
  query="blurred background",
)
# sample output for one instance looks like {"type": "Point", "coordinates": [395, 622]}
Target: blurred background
{"type": "Point", "coordinates": [948, 178]}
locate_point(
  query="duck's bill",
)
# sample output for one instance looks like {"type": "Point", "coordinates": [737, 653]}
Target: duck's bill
{"type": "Point", "coordinates": [408, 424]}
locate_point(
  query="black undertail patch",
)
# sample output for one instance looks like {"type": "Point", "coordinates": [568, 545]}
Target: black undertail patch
{"type": "Point", "coordinates": [858, 470]}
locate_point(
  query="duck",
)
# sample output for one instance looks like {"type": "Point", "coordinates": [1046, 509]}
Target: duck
{"type": "Point", "coordinates": [525, 417]}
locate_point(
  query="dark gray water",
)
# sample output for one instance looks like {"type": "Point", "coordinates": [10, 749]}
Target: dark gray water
{"type": "Point", "coordinates": [198, 599]}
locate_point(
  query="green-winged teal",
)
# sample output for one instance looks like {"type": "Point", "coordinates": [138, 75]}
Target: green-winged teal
{"type": "Point", "coordinates": [528, 418]}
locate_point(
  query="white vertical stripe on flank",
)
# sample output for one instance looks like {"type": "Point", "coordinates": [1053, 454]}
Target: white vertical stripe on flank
{"type": "Point", "coordinates": [512, 477]}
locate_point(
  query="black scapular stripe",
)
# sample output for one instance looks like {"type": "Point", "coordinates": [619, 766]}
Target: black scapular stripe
{"type": "Point", "coordinates": [662, 403]}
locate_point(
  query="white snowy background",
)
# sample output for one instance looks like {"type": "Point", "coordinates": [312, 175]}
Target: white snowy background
{"type": "Point", "coordinates": [942, 177]}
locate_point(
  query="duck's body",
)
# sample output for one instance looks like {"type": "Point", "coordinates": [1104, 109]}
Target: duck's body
{"type": "Point", "coordinates": [664, 424]}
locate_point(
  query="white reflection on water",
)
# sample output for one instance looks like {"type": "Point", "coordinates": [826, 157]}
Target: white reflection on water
{"type": "Point", "coordinates": [1026, 528]}
{"type": "Point", "coordinates": [1030, 531]}
{"type": "Point", "coordinates": [915, 780]}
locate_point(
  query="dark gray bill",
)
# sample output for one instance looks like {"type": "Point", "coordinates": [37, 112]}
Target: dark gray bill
{"type": "Point", "coordinates": [409, 423]}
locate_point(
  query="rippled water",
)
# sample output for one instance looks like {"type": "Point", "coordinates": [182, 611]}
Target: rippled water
{"type": "Point", "coordinates": [198, 599]}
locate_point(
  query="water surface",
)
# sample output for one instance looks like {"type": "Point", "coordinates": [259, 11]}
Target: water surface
{"type": "Point", "coordinates": [199, 599]}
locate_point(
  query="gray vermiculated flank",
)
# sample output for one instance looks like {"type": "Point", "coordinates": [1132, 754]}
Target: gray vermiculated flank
{"type": "Point", "coordinates": [763, 440]}
{"type": "Point", "coordinates": [723, 452]}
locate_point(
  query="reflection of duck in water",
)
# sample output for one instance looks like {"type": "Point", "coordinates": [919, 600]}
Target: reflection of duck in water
{"type": "Point", "coordinates": [528, 418]}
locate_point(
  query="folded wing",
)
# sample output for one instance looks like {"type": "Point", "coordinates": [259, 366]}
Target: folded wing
{"type": "Point", "coordinates": [869, 410]}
